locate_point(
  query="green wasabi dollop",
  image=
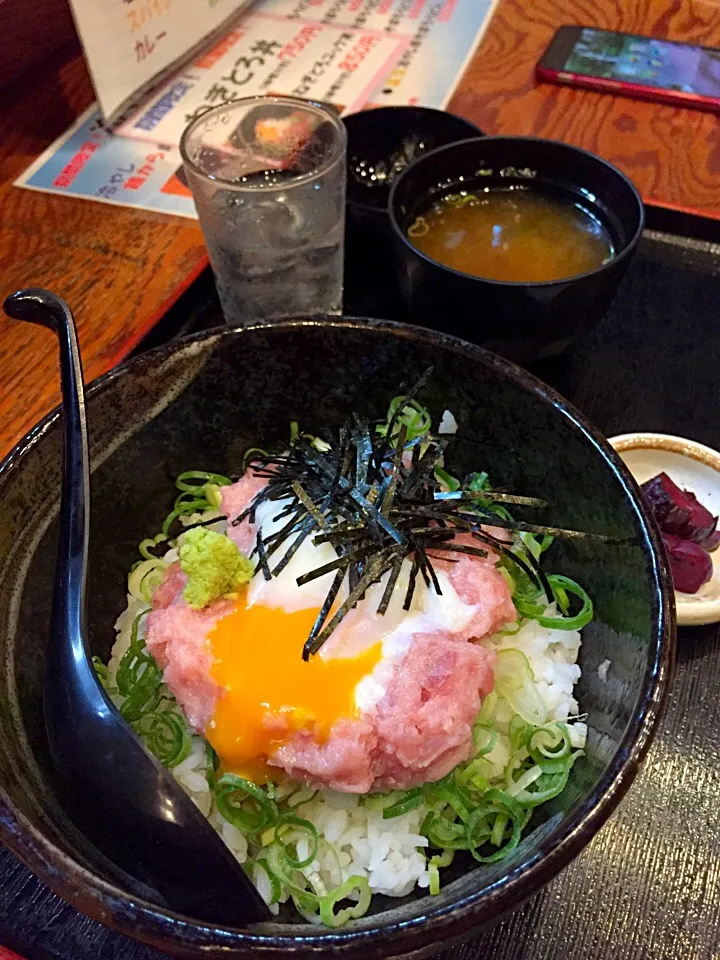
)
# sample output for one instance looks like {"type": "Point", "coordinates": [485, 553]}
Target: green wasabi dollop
{"type": "Point", "coordinates": [213, 565]}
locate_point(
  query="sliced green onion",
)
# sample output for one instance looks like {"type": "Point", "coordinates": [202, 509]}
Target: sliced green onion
{"type": "Point", "coordinates": [550, 743]}
{"type": "Point", "coordinates": [484, 737]}
{"type": "Point", "coordinates": [487, 710]}
{"type": "Point", "coordinates": [102, 674]}
{"type": "Point", "coordinates": [100, 669]}
{"type": "Point", "coordinates": [211, 765]}
{"type": "Point", "coordinates": [523, 782]}
{"type": "Point", "coordinates": [275, 885]}
{"type": "Point", "coordinates": [328, 903]}
{"type": "Point", "coordinates": [136, 670]}
{"type": "Point", "coordinates": [561, 587]}
{"type": "Point", "coordinates": [500, 511]}
{"type": "Point", "coordinates": [307, 905]}
{"type": "Point", "coordinates": [512, 670]}
{"type": "Point", "coordinates": [293, 880]}
{"type": "Point", "coordinates": [515, 681]}
{"type": "Point", "coordinates": [413, 416]}
{"type": "Point", "coordinates": [213, 495]}
{"type": "Point", "coordinates": [379, 801]}
{"type": "Point", "coordinates": [518, 731]}
{"type": "Point", "coordinates": [166, 735]}
{"type": "Point", "coordinates": [189, 497]}
{"type": "Point", "coordinates": [552, 782]}
{"type": "Point", "coordinates": [243, 804]}
{"type": "Point", "coordinates": [480, 783]}
{"type": "Point", "coordinates": [498, 830]}
{"type": "Point", "coordinates": [253, 453]}
{"type": "Point", "coordinates": [135, 661]}
{"type": "Point", "coordinates": [449, 791]}
{"type": "Point", "coordinates": [411, 800]}
{"type": "Point", "coordinates": [529, 608]}
{"type": "Point", "coordinates": [434, 875]}
{"type": "Point", "coordinates": [145, 577]}
{"type": "Point", "coordinates": [524, 591]}
{"type": "Point", "coordinates": [563, 601]}
{"type": "Point", "coordinates": [534, 545]}
{"type": "Point", "coordinates": [443, 833]}
{"type": "Point", "coordinates": [483, 827]}
{"type": "Point", "coordinates": [138, 677]}
{"type": "Point", "coordinates": [446, 479]}
{"type": "Point", "coordinates": [301, 796]}
{"type": "Point", "coordinates": [477, 772]}
{"type": "Point", "coordinates": [188, 506]}
{"type": "Point", "coordinates": [478, 483]}
{"type": "Point", "coordinates": [290, 824]}
{"type": "Point", "coordinates": [145, 695]}
{"type": "Point", "coordinates": [192, 481]}
{"type": "Point", "coordinates": [443, 859]}
{"type": "Point", "coordinates": [322, 445]}
{"type": "Point", "coordinates": [146, 546]}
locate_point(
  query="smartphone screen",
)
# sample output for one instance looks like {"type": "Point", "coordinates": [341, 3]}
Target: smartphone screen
{"type": "Point", "coordinates": [643, 60]}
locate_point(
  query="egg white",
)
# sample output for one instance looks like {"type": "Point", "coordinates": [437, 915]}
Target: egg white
{"type": "Point", "coordinates": [362, 627]}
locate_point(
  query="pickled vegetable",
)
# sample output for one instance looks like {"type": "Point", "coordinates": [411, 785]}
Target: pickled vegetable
{"type": "Point", "coordinates": [679, 512]}
{"type": "Point", "coordinates": [690, 564]}
{"type": "Point", "coordinates": [688, 529]}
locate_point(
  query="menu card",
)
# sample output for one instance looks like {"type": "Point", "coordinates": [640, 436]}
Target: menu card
{"type": "Point", "coordinates": [271, 54]}
{"type": "Point", "coordinates": [131, 45]}
{"type": "Point", "coordinates": [351, 53]}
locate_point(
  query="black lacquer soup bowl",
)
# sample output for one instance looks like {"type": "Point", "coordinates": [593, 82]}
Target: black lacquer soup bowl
{"type": "Point", "coordinates": [525, 321]}
{"type": "Point", "coordinates": [199, 404]}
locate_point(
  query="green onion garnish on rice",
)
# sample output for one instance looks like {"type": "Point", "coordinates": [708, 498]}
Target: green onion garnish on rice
{"type": "Point", "coordinates": [377, 493]}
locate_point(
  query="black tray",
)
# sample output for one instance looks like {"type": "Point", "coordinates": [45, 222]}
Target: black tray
{"type": "Point", "coordinates": [648, 886]}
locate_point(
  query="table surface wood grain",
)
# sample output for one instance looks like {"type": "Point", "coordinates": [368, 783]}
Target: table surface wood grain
{"type": "Point", "coordinates": [120, 269]}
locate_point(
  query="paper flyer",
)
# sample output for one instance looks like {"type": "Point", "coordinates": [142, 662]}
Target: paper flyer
{"type": "Point", "coordinates": [130, 45]}
{"type": "Point", "coordinates": [267, 54]}
{"type": "Point", "coordinates": [352, 53]}
{"type": "Point", "coordinates": [87, 161]}
{"type": "Point", "coordinates": [401, 52]}
{"type": "Point", "coordinates": [442, 34]}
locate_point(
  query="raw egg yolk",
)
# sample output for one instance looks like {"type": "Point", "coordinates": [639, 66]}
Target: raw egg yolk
{"type": "Point", "coordinates": [269, 691]}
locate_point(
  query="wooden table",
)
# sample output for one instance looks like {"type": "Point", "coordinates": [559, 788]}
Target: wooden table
{"type": "Point", "coordinates": [120, 269]}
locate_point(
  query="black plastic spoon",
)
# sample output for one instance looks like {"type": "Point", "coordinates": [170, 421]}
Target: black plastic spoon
{"type": "Point", "coordinates": [122, 797]}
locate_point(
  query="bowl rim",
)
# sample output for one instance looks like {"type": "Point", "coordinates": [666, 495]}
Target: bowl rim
{"type": "Point", "coordinates": [134, 917]}
{"type": "Point", "coordinates": [626, 251]}
{"type": "Point", "coordinates": [406, 108]}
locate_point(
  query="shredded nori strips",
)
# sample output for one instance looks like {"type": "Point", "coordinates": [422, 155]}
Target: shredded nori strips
{"type": "Point", "coordinates": [373, 495]}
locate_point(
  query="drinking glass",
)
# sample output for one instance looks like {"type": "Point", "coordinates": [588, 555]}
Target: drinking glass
{"type": "Point", "coordinates": [267, 176]}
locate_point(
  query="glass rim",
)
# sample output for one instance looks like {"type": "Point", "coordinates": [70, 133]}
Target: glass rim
{"type": "Point", "coordinates": [315, 105]}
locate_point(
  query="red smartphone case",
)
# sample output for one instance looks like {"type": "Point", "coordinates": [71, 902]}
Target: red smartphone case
{"type": "Point", "coordinates": [637, 91]}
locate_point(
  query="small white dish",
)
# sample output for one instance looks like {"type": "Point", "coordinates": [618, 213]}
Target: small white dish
{"type": "Point", "coordinates": [694, 467]}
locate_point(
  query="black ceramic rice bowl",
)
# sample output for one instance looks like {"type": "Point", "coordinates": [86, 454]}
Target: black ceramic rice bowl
{"type": "Point", "coordinates": [199, 404]}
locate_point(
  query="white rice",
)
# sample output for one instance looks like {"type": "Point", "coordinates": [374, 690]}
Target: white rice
{"type": "Point", "coordinates": [357, 840]}
{"type": "Point", "coordinates": [448, 423]}
{"type": "Point", "coordinates": [553, 658]}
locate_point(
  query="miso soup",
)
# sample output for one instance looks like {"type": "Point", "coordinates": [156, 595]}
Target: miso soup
{"type": "Point", "coordinates": [516, 233]}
